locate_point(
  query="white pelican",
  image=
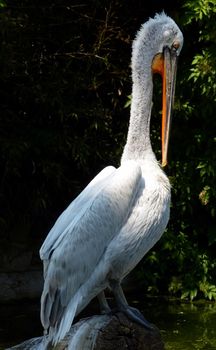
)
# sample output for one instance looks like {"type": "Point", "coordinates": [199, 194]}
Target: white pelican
{"type": "Point", "coordinates": [122, 213]}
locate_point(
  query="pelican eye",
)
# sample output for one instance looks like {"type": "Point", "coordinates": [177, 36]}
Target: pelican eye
{"type": "Point", "coordinates": [175, 45]}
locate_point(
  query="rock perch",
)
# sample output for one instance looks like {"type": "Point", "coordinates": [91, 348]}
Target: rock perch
{"type": "Point", "coordinates": [102, 332]}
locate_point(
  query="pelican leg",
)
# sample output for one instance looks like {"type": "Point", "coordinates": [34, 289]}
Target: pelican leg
{"type": "Point", "coordinates": [131, 312]}
{"type": "Point", "coordinates": [104, 306]}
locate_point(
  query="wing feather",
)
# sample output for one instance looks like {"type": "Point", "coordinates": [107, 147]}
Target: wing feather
{"type": "Point", "coordinates": [77, 206]}
{"type": "Point", "coordinates": [86, 237]}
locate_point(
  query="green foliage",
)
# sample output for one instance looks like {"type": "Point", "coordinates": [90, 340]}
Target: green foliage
{"type": "Point", "coordinates": [203, 72]}
{"type": "Point", "coordinates": [66, 88]}
{"type": "Point", "coordinates": [199, 10]}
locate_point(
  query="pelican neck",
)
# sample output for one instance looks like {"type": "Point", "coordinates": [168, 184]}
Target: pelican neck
{"type": "Point", "coordinates": [138, 145]}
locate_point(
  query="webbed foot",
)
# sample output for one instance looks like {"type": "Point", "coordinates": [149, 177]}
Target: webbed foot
{"type": "Point", "coordinates": [135, 315]}
{"type": "Point", "coordinates": [131, 312]}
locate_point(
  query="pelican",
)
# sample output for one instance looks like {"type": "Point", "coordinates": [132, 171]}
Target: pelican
{"type": "Point", "coordinates": [122, 213]}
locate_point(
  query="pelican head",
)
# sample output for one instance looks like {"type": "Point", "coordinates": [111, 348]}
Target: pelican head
{"type": "Point", "coordinates": [157, 47]}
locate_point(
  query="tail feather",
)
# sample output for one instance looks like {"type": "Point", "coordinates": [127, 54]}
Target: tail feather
{"type": "Point", "coordinates": [46, 305]}
{"type": "Point", "coordinates": [58, 332]}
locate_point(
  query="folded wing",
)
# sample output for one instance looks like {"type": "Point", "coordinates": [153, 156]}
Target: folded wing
{"type": "Point", "coordinates": [81, 235]}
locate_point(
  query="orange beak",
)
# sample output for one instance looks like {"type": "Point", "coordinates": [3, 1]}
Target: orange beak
{"type": "Point", "coordinates": [166, 65]}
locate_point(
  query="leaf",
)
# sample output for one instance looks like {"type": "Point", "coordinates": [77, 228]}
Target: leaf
{"type": "Point", "coordinates": [193, 294]}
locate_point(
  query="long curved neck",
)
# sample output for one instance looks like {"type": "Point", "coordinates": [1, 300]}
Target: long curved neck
{"type": "Point", "coordinates": [138, 145]}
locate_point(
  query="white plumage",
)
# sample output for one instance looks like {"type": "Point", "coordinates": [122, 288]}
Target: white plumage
{"type": "Point", "coordinates": [120, 215]}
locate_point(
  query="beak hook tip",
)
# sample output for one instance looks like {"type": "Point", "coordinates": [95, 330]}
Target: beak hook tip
{"type": "Point", "coordinates": [164, 163]}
